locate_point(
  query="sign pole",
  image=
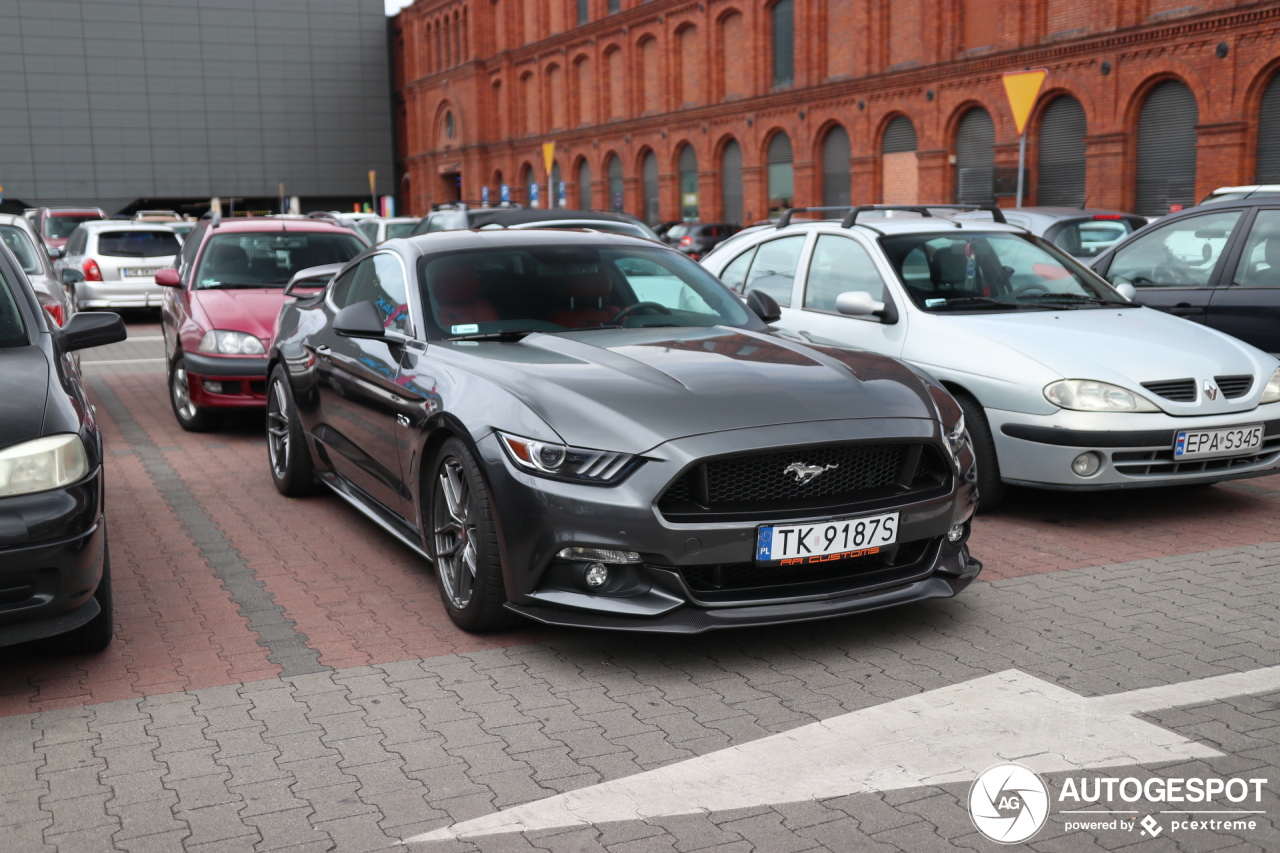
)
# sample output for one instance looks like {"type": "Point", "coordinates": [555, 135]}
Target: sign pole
{"type": "Point", "coordinates": [1022, 164]}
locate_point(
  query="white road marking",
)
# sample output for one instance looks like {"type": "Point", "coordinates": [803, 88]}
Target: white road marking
{"type": "Point", "coordinates": [83, 362]}
{"type": "Point", "coordinates": [941, 736]}
{"type": "Point", "coordinates": [131, 339]}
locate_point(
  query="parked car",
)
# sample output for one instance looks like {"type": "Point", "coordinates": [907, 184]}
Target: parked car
{"type": "Point", "coordinates": [1216, 264]}
{"type": "Point", "coordinates": [496, 217]}
{"type": "Point", "coordinates": [662, 228]}
{"type": "Point", "coordinates": [1242, 193]}
{"type": "Point", "coordinates": [1080, 233]}
{"type": "Point", "coordinates": [587, 429]}
{"type": "Point", "coordinates": [113, 264]}
{"type": "Point", "coordinates": [378, 230]}
{"type": "Point", "coordinates": [20, 236]}
{"type": "Point", "coordinates": [55, 564]}
{"type": "Point", "coordinates": [222, 296]}
{"type": "Point", "coordinates": [1064, 382]}
{"type": "Point", "coordinates": [55, 224]}
{"type": "Point", "coordinates": [695, 239]}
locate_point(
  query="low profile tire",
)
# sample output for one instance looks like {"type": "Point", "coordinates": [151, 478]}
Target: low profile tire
{"type": "Point", "coordinates": [292, 469]}
{"type": "Point", "coordinates": [94, 635]}
{"type": "Point", "coordinates": [464, 541]}
{"type": "Point", "coordinates": [991, 489]}
{"type": "Point", "coordinates": [190, 417]}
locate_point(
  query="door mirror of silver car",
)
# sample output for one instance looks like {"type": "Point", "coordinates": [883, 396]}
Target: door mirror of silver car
{"type": "Point", "coordinates": [55, 251]}
{"type": "Point", "coordinates": [359, 320]}
{"type": "Point", "coordinates": [1127, 290]}
{"type": "Point", "coordinates": [168, 277]}
{"type": "Point", "coordinates": [858, 303]}
{"type": "Point", "coordinates": [92, 329]}
{"type": "Point", "coordinates": [764, 306]}
{"type": "Point", "coordinates": [71, 276]}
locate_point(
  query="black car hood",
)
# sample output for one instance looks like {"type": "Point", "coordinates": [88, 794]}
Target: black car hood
{"type": "Point", "coordinates": [24, 391]}
{"type": "Point", "coordinates": [632, 389]}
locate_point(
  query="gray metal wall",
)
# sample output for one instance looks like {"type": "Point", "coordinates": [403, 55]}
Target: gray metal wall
{"type": "Point", "coordinates": [106, 101]}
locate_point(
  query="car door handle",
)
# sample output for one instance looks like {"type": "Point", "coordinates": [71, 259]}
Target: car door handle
{"type": "Point", "coordinates": [323, 351]}
{"type": "Point", "coordinates": [403, 420]}
{"type": "Point", "coordinates": [1182, 309]}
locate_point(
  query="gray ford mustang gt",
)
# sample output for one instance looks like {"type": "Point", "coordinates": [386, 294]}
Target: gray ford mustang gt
{"type": "Point", "coordinates": [589, 429]}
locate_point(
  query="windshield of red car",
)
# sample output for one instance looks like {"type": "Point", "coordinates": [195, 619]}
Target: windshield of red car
{"type": "Point", "coordinates": [270, 259]}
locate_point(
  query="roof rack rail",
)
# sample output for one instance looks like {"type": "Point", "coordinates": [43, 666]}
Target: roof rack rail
{"type": "Point", "coordinates": [922, 209]}
{"type": "Point", "coordinates": [785, 219]}
{"type": "Point", "coordinates": [214, 217]}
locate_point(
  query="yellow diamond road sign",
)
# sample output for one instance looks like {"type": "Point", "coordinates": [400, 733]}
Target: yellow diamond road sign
{"type": "Point", "coordinates": [1023, 87]}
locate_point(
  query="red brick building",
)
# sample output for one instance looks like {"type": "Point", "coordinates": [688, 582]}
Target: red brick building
{"type": "Point", "coordinates": [726, 109]}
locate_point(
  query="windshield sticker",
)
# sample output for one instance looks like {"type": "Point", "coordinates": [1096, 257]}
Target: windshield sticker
{"type": "Point", "coordinates": [934, 303]}
{"type": "Point", "coordinates": [465, 329]}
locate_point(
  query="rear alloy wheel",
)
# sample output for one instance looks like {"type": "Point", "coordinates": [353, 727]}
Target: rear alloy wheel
{"type": "Point", "coordinates": [464, 542]}
{"type": "Point", "coordinates": [190, 417]}
{"type": "Point", "coordinates": [96, 634]}
{"type": "Point", "coordinates": [991, 489]}
{"type": "Point", "coordinates": [292, 470]}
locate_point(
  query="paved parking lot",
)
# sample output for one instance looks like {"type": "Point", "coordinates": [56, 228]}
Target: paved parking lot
{"type": "Point", "coordinates": [284, 677]}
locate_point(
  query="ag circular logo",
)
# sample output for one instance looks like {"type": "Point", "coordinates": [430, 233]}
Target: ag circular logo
{"type": "Point", "coordinates": [1008, 803]}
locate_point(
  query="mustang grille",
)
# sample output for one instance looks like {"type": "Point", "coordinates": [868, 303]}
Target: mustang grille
{"type": "Point", "coordinates": [760, 483]}
{"type": "Point", "coordinates": [1177, 390]}
{"type": "Point", "coordinates": [1234, 386]}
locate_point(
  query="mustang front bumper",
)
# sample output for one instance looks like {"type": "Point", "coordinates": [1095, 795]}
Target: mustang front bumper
{"type": "Point", "coordinates": [668, 591]}
{"type": "Point", "coordinates": [1135, 450]}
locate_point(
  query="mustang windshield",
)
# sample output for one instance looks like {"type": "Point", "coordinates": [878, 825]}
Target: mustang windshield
{"type": "Point", "coordinates": [490, 292]}
{"type": "Point", "coordinates": [992, 272]}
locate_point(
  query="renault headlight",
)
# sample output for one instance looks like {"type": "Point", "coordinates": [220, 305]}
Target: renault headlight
{"type": "Point", "coordinates": [1086, 395]}
{"type": "Point", "coordinates": [231, 343]}
{"type": "Point", "coordinates": [45, 463]}
{"type": "Point", "coordinates": [1271, 393]}
{"type": "Point", "coordinates": [569, 463]}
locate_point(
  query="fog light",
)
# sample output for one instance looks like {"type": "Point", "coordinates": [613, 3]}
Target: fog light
{"type": "Point", "coordinates": [213, 387]}
{"type": "Point", "coordinates": [955, 534]}
{"type": "Point", "coordinates": [597, 575]}
{"type": "Point", "coordinates": [1086, 464]}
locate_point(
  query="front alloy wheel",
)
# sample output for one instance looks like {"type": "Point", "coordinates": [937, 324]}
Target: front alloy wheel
{"type": "Point", "coordinates": [465, 543]}
{"type": "Point", "coordinates": [292, 470]}
{"type": "Point", "coordinates": [190, 417]}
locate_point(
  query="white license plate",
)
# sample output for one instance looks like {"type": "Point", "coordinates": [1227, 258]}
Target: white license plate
{"type": "Point", "coordinates": [139, 272]}
{"type": "Point", "coordinates": [796, 544]}
{"type": "Point", "coordinates": [1203, 443]}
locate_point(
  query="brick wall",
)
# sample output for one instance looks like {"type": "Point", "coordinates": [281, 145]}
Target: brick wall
{"type": "Point", "coordinates": [660, 74]}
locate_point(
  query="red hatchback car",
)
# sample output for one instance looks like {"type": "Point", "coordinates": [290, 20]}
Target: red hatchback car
{"type": "Point", "coordinates": [222, 299]}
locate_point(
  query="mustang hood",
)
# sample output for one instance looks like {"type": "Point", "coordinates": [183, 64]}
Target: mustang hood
{"type": "Point", "coordinates": [632, 389]}
{"type": "Point", "coordinates": [252, 311]}
{"type": "Point", "coordinates": [24, 389]}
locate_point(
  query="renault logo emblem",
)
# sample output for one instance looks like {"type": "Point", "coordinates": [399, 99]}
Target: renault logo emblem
{"type": "Point", "coordinates": [804, 473]}
{"type": "Point", "coordinates": [1210, 390]}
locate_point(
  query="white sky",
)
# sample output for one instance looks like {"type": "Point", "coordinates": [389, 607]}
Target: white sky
{"type": "Point", "coordinates": [394, 6]}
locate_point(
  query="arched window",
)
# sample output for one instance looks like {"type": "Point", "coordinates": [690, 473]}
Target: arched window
{"type": "Point", "coordinates": [584, 93]}
{"type": "Point", "coordinates": [584, 186]}
{"type": "Point", "coordinates": [688, 183]}
{"type": "Point", "coordinates": [733, 59]}
{"type": "Point", "coordinates": [554, 199]}
{"type": "Point", "coordinates": [557, 120]}
{"type": "Point", "coordinates": [1060, 171]}
{"type": "Point", "coordinates": [899, 170]}
{"type": "Point", "coordinates": [526, 183]}
{"type": "Point", "coordinates": [1166, 149]}
{"type": "Point", "coordinates": [528, 105]}
{"type": "Point", "coordinates": [500, 109]}
{"type": "Point", "coordinates": [617, 91]}
{"type": "Point", "coordinates": [651, 73]}
{"type": "Point", "coordinates": [975, 158]}
{"type": "Point", "coordinates": [1268, 170]}
{"type": "Point", "coordinates": [689, 74]}
{"type": "Point", "coordinates": [614, 170]}
{"type": "Point", "coordinates": [649, 188]}
{"type": "Point", "coordinates": [781, 177]}
{"type": "Point", "coordinates": [782, 31]}
{"type": "Point", "coordinates": [835, 167]}
{"type": "Point", "coordinates": [731, 182]}
{"type": "Point", "coordinates": [584, 14]}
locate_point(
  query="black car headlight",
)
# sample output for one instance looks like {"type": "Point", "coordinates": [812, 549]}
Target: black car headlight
{"type": "Point", "coordinates": [953, 426]}
{"type": "Point", "coordinates": [42, 464]}
{"type": "Point", "coordinates": [563, 462]}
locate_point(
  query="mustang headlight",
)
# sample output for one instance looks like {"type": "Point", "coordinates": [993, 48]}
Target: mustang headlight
{"type": "Point", "coordinates": [568, 463]}
{"type": "Point", "coordinates": [231, 343]}
{"type": "Point", "coordinates": [1271, 393]}
{"type": "Point", "coordinates": [953, 427]}
{"type": "Point", "coordinates": [1086, 395]}
{"type": "Point", "coordinates": [42, 464]}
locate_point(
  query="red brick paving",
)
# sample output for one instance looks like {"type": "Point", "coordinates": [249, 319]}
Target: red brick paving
{"type": "Point", "coordinates": [362, 598]}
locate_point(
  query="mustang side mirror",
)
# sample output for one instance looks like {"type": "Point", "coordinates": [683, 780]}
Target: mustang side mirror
{"type": "Point", "coordinates": [71, 276]}
{"type": "Point", "coordinates": [1127, 290]}
{"type": "Point", "coordinates": [764, 306]}
{"type": "Point", "coordinates": [93, 329]}
{"type": "Point", "coordinates": [359, 320]}
{"type": "Point", "coordinates": [168, 277]}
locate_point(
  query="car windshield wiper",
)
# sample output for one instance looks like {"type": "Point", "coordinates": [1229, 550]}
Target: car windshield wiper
{"type": "Point", "coordinates": [233, 285]}
{"type": "Point", "coordinates": [1077, 298]}
{"type": "Point", "coordinates": [501, 335]}
{"type": "Point", "coordinates": [981, 302]}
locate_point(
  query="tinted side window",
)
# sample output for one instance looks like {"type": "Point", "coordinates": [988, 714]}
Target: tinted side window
{"type": "Point", "coordinates": [1260, 262]}
{"type": "Point", "coordinates": [840, 264]}
{"type": "Point", "coordinates": [341, 288]}
{"type": "Point", "coordinates": [12, 331]}
{"type": "Point", "coordinates": [190, 247]}
{"type": "Point", "coordinates": [735, 275]}
{"type": "Point", "coordinates": [1180, 254]}
{"type": "Point", "coordinates": [380, 280]}
{"type": "Point", "coordinates": [75, 245]}
{"type": "Point", "coordinates": [774, 268]}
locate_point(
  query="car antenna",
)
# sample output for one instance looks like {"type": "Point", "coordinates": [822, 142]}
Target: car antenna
{"type": "Point", "coordinates": [1257, 187]}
